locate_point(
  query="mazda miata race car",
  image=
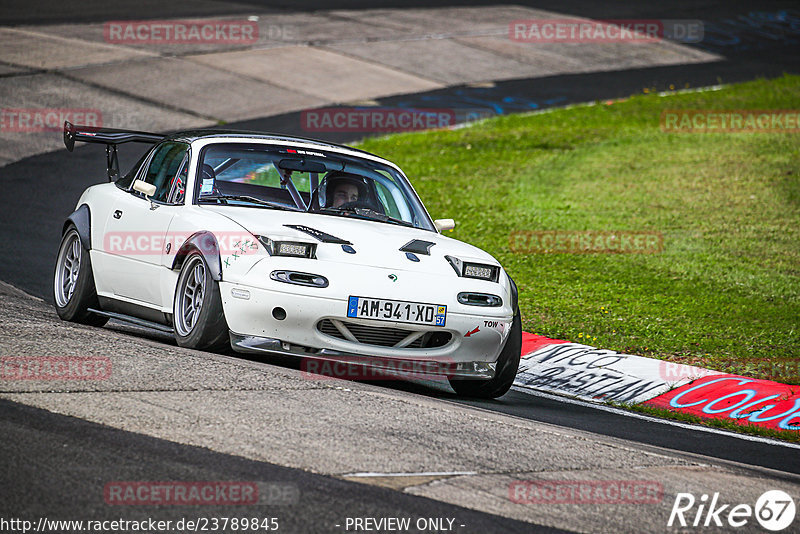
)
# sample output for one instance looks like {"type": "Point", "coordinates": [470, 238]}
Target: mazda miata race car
{"type": "Point", "coordinates": [285, 245]}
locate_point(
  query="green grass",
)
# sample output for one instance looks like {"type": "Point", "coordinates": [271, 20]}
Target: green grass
{"type": "Point", "coordinates": [725, 290]}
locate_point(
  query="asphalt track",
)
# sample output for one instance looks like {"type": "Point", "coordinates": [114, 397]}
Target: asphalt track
{"type": "Point", "coordinates": [38, 192]}
{"type": "Point", "coordinates": [56, 11]}
{"type": "Point", "coordinates": [66, 450]}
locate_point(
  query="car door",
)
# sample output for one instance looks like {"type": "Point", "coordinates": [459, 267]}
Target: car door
{"type": "Point", "coordinates": [136, 228]}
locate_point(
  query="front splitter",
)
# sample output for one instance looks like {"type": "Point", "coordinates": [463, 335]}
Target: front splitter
{"type": "Point", "coordinates": [408, 368]}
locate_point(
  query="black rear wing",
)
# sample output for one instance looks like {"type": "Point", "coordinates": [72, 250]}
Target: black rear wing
{"type": "Point", "coordinates": [110, 137]}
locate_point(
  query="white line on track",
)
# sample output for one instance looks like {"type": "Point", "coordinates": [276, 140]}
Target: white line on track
{"type": "Point", "coordinates": [422, 474]}
{"type": "Point", "coordinates": [669, 422]}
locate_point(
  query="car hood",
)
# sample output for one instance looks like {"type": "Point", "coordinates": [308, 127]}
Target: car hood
{"type": "Point", "coordinates": [375, 243]}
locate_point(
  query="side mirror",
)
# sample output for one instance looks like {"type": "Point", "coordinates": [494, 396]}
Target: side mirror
{"type": "Point", "coordinates": [443, 224]}
{"type": "Point", "coordinates": [143, 187]}
{"type": "Point", "coordinates": [148, 190]}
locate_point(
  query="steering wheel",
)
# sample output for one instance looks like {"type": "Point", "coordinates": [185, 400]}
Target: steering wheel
{"type": "Point", "coordinates": [360, 204]}
{"type": "Point", "coordinates": [355, 204]}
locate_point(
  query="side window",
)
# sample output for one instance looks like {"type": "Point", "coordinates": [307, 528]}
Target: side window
{"type": "Point", "coordinates": [177, 191]}
{"type": "Point", "coordinates": [387, 200]}
{"type": "Point", "coordinates": [124, 182]}
{"type": "Point", "coordinates": [164, 167]}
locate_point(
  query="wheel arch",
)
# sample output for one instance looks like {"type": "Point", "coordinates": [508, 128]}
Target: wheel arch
{"type": "Point", "coordinates": [206, 244]}
{"type": "Point", "coordinates": [514, 294]}
{"type": "Point", "coordinates": [81, 218]}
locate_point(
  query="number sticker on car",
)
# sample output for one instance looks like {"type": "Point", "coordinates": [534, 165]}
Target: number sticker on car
{"type": "Point", "coordinates": [397, 310]}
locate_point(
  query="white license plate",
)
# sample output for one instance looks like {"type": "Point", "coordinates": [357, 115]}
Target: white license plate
{"type": "Point", "coordinates": [397, 310]}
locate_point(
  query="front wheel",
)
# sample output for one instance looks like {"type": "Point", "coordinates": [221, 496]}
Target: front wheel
{"type": "Point", "coordinates": [505, 372]}
{"type": "Point", "coordinates": [197, 318]}
{"type": "Point", "coordinates": [73, 282]}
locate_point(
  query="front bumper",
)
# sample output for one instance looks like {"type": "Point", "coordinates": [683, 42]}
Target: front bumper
{"type": "Point", "coordinates": [391, 366]}
{"type": "Point", "coordinates": [476, 335]}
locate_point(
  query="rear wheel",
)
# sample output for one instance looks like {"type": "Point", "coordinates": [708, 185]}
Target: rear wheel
{"type": "Point", "coordinates": [73, 282]}
{"type": "Point", "coordinates": [505, 372]}
{"type": "Point", "coordinates": [197, 318]}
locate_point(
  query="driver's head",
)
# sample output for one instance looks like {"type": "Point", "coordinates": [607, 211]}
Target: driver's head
{"type": "Point", "coordinates": [343, 188]}
{"type": "Point", "coordinates": [343, 193]}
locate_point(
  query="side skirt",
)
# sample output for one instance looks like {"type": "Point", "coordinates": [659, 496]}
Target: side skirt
{"type": "Point", "coordinates": [134, 314]}
{"type": "Point", "coordinates": [133, 320]}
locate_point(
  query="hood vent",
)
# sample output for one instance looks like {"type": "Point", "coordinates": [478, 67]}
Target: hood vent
{"type": "Point", "coordinates": [318, 234]}
{"type": "Point", "coordinates": [418, 246]}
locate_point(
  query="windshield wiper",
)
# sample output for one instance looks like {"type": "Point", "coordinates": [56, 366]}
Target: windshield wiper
{"type": "Point", "coordinates": [400, 222]}
{"type": "Point", "coordinates": [386, 218]}
{"type": "Point", "coordinates": [364, 213]}
{"type": "Point", "coordinates": [246, 198]}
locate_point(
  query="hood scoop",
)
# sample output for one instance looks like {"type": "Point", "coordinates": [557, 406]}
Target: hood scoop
{"type": "Point", "coordinates": [418, 246]}
{"type": "Point", "coordinates": [318, 234]}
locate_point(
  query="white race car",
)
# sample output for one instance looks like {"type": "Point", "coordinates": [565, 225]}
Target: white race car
{"type": "Point", "coordinates": [277, 244]}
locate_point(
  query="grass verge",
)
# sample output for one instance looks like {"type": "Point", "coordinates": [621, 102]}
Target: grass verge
{"type": "Point", "coordinates": [723, 293]}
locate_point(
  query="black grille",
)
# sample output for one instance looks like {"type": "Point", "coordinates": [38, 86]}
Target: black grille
{"type": "Point", "coordinates": [384, 336]}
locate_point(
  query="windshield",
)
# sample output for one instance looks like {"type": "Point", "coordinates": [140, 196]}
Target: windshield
{"type": "Point", "coordinates": [278, 177]}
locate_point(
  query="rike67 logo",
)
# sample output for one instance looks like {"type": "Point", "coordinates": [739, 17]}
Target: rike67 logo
{"type": "Point", "coordinates": [774, 510]}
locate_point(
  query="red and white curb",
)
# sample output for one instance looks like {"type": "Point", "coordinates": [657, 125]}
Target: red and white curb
{"type": "Point", "coordinates": [599, 375]}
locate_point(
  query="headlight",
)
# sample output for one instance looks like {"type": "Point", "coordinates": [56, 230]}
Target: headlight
{"type": "Point", "coordinates": [480, 271]}
{"type": "Point", "coordinates": [294, 249]}
{"type": "Point", "coordinates": [473, 270]}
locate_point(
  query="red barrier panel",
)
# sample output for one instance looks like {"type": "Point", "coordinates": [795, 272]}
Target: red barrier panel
{"type": "Point", "coordinates": [736, 398]}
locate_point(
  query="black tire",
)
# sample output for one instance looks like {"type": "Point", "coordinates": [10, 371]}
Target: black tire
{"type": "Point", "coordinates": [205, 328]}
{"type": "Point", "coordinates": [507, 366]}
{"type": "Point", "coordinates": [74, 292]}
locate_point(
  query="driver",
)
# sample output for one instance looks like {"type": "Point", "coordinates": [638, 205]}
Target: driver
{"type": "Point", "coordinates": [344, 192]}
{"type": "Point", "coordinates": [344, 188]}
